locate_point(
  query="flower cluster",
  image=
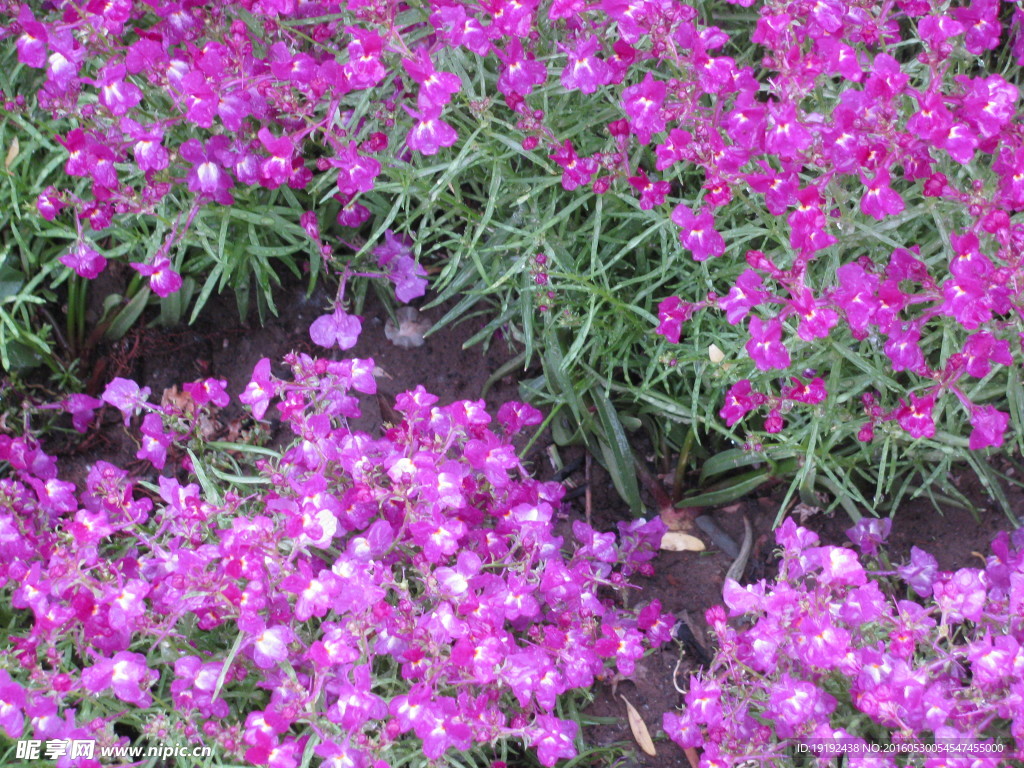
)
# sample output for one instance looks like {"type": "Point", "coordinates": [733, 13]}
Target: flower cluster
{"type": "Point", "coordinates": [893, 139]}
{"type": "Point", "coordinates": [842, 650]}
{"type": "Point", "coordinates": [360, 597]}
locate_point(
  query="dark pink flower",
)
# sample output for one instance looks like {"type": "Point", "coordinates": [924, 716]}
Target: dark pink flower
{"type": "Point", "coordinates": [765, 346]}
{"type": "Point", "coordinates": [261, 390]}
{"type": "Point", "coordinates": [698, 232]}
{"type": "Point", "coordinates": [739, 401]}
{"type": "Point", "coordinates": [209, 391]}
{"type": "Point", "coordinates": [642, 104]}
{"type": "Point", "coordinates": [916, 418]}
{"type": "Point", "coordinates": [162, 278]}
{"type": "Point", "coordinates": [745, 294]}
{"type": "Point", "coordinates": [430, 133]}
{"type": "Point", "coordinates": [115, 93]}
{"type": "Point", "coordinates": [585, 70]}
{"type": "Point", "coordinates": [672, 313]}
{"type": "Point", "coordinates": [86, 262]}
{"type": "Point", "coordinates": [989, 427]}
{"type": "Point", "coordinates": [126, 674]}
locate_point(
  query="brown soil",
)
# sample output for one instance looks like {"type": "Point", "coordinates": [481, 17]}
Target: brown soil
{"type": "Point", "coordinates": [220, 346]}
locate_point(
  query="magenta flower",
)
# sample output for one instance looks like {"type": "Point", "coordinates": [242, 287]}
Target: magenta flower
{"type": "Point", "coordinates": [880, 200]}
{"type": "Point", "coordinates": [989, 427]}
{"type": "Point", "coordinates": [585, 70]}
{"type": "Point", "coordinates": [12, 706]}
{"type": "Point", "coordinates": [337, 329]}
{"type": "Point", "coordinates": [209, 391]}
{"type": "Point", "coordinates": [673, 312]}
{"type": "Point", "coordinates": [208, 176]}
{"type": "Point", "coordinates": [126, 396]}
{"type": "Point", "coordinates": [739, 401]}
{"type": "Point", "coordinates": [436, 88]}
{"type": "Point", "coordinates": [576, 171]}
{"type": "Point", "coordinates": [698, 232]}
{"type": "Point", "coordinates": [126, 674]}
{"type": "Point", "coordinates": [765, 346]}
{"type": "Point", "coordinates": [162, 278]}
{"type": "Point", "coordinates": [261, 390]}
{"type": "Point", "coordinates": [31, 46]}
{"type": "Point", "coordinates": [642, 104]}
{"type": "Point", "coordinates": [916, 418]}
{"type": "Point", "coordinates": [86, 262]}
{"type": "Point", "coordinates": [744, 295]}
{"type": "Point", "coordinates": [430, 133]}
{"type": "Point", "coordinates": [154, 441]}
{"type": "Point", "coordinates": [115, 93]}
{"type": "Point", "coordinates": [796, 705]}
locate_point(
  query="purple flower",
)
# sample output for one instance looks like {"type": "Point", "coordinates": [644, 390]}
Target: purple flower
{"type": "Point", "coordinates": [261, 390]}
{"type": "Point", "coordinates": [430, 133]}
{"type": "Point", "coordinates": [642, 104]}
{"type": "Point", "coordinates": [868, 533]}
{"type": "Point", "coordinates": [765, 346]}
{"type": "Point", "coordinates": [162, 278]}
{"type": "Point", "coordinates": [338, 329]}
{"type": "Point", "coordinates": [209, 391]}
{"type": "Point", "coordinates": [920, 572]}
{"type": "Point", "coordinates": [672, 313]}
{"type": "Point", "coordinates": [585, 70]}
{"type": "Point", "coordinates": [698, 233]}
{"type": "Point", "coordinates": [796, 706]}
{"type": "Point", "coordinates": [86, 261]}
{"type": "Point", "coordinates": [989, 427]}
{"type": "Point", "coordinates": [12, 703]}
{"type": "Point", "coordinates": [154, 441]}
{"type": "Point", "coordinates": [553, 738]}
{"type": "Point", "coordinates": [126, 396]}
{"type": "Point", "coordinates": [126, 674]}
{"type": "Point", "coordinates": [961, 595]}
{"type": "Point", "coordinates": [270, 647]}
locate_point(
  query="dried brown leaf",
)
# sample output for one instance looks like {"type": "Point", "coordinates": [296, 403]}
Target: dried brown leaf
{"type": "Point", "coordinates": [639, 729]}
{"type": "Point", "coordinates": [12, 153]}
{"type": "Point", "coordinates": [675, 541]}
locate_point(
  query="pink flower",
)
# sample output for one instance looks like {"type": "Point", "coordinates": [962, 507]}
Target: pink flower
{"type": "Point", "coordinates": [154, 441]}
{"type": "Point", "coordinates": [584, 70]}
{"type": "Point", "coordinates": [673, 312]}
{"type": "Point", "coordinates": [209, 391]}
{"type": "Point", "coordinates": [745, 294]}
{"type": "Point", "coordinates": [765, 346]}
{"type": "Point", "coordinates": [162, 278]}
{"type": "Point", "coordinates": [126, 674]}
{"type": "Point", "coordinates": [261, 390]}
{"type": "Point", "coordinates": [739, 401]}
{"type": "Point", "coordinates": [916, 418]}
{"type": "Point", "coordinates": [642, 104]}
{"type": "Point", "coordinates": [698, 232]}
{"type": "Point", "coordinates": [430, 133]}
{"type": "Point", "coordinates": [989, 427]}
{"type": "Point", "coordinates": [338, 329]}
{"type": "Point", "coordinates": [125, 395]}
{"type": "Point", "coordinates": [270, 647]}
{"type": "Point", "coordinates": [86, 262]}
